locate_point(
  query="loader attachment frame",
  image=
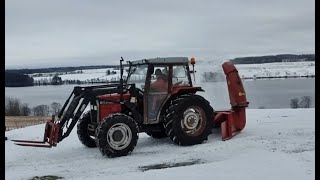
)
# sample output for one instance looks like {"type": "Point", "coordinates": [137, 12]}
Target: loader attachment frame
{"type": "Point", "coordinates": [50, 137]}
{"type": "Point", "coordinates": [58, 129]}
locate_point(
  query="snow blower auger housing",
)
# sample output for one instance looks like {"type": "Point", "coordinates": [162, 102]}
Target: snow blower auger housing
{"type": "Point", "coordinates": [157, 97]}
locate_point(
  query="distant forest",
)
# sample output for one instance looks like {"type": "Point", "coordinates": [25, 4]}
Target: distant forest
{"type": "Point", "coordinates": [274, 58]}
{"type": "Point", "coordinates": [13, 79]}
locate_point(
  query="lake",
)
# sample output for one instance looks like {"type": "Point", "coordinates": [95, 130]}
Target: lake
{"type": "Point", "coordinates": [269, 94]}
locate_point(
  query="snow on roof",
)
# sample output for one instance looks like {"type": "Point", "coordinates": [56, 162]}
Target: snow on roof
{"type": "Point", "coordinates": [159, 60]}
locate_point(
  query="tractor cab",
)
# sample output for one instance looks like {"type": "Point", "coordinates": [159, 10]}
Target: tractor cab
{"type": "Point", "coordinates": [174, 70]}
{"type": "Point", "coordinates": [159, 79]}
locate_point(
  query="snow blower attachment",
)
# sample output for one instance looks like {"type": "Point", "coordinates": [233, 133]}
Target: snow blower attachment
{"type": "Point", "coordinates": [232, 121]}
{"type": "Point", "coordinates": [157, 97]}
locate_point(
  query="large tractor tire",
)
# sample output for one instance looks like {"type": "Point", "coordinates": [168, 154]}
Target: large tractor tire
{"type": "Point", "coordinates": [83, 132]}
{"type": "Point", "coordinates": [117, 135]}
{"type": "Point", "coordinates": [189, 120]}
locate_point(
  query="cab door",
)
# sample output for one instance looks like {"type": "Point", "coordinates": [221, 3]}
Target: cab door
{"type": "Point", "coordinates": [155, 92]}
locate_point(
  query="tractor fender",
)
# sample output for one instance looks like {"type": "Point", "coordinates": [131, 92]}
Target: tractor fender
{"type": "Point", "coordinates": [176, 91]}
{"type": "Point", "coordinates": [185, 89]}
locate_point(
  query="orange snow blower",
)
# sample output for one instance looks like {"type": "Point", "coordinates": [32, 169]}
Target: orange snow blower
{"type": "Point", "coordinates": [232, 121]}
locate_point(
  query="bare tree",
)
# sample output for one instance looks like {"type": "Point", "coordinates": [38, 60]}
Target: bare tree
{"type": "Point", "coordinates": [12, 107]}
{"type": "Point", "coordinates": [55, 108]}
{"type": "Point", "coordinates": [294, 103]}
{"type": "Point", "coordinates": [25, 110]}
{"type": "Point", "coordinates": [41, 110]}
{"type": "Point", "coordinates": [305, 102]}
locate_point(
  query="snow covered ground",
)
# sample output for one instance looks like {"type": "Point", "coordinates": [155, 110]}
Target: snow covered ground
{"type": "Point", "coordinates": [276, 69]}
{"type": "Point", "coordinates": [264, 70]}
{"type": "Point", "coordinates": [85, 75]}
{"type": "Point", "coordinates": [245, 70]}
{"type": "Point", "coordinates": [276, 144]}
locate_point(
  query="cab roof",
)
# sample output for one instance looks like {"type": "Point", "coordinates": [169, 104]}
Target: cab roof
{"type": "Point", "coordinates": [165, 60]}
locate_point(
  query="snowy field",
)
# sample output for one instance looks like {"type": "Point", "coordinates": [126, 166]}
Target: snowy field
{"type": "Point", "coordinates": [276, 144]}
{"type": "Point", "coordinates": [85, 75]}
{"type": "Point", "coordinates": [245, 71]}
{"type": "Point", "coordinates": [265, 69]}
{"type": "Point", "coordinates": [277, 69]}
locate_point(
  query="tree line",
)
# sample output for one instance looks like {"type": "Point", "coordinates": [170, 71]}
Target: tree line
{"type": "Point", "coordinates": [13, 79]}
{"type": "Point", "coordinates": [274, 58]}
{"type": "Point", "coordinates": [302, 102]}
{"type": "Point", "coordinates": [59, 69]}
{"type": "Point", "coordinates": [14, 107]}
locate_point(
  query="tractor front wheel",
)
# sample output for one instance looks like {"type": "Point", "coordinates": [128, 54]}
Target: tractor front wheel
{"type": "Point", "coordinates": [117, 135]}
{"type": "Point", "coordinates": [189, 120]}
{"type": "Point", "coordinates": [83, 132]}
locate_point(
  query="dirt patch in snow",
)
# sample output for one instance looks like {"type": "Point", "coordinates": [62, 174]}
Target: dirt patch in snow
{"type": "Point", "coordinates": [49, 177]}
{"type": "Point", "coordinates": [170, 165]}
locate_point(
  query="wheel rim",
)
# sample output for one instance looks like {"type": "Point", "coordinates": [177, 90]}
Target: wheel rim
{"type": "Point", "coordinates": [194, 121]}
{"type": "Point", "coordinates": [91, 134]}
{"type": "Point", "coordinates": [119, 136]}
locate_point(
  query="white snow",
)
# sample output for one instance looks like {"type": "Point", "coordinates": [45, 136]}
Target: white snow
{"type": "Point", "coordinates": [276, 69]}
{"type": "Point", "coordinates": [85, 75]}
{"type": "Point", "coordinates": [304, 68]}
{"type": "Point", "coordinates": [276, 144]}
{"type": "Point", "coordinates": [245, 71]}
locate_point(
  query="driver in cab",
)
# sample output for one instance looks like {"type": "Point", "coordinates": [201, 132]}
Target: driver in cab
{"type": "Point", "coordinates": [161, 83]}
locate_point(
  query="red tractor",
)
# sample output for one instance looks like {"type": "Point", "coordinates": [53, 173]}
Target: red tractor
{"type": "Point", "coordinates": [156, 97]}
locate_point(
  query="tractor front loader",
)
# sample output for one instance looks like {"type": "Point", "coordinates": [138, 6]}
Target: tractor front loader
{"type": "Point", "coordinates": [156, 97]}
{"type": "Point", "coordinates": [58, 129]}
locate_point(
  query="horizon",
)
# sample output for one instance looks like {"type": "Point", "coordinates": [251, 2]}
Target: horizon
{"type": "Point", "coordinates": [68, 33]}
{"type": "Point", "coordinates": [47, 67]}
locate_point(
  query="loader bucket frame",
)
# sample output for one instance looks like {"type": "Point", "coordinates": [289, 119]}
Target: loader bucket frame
{"type": "Point", "coordinates": [50, 137]}
{"type": "Point", "coordinates": [58, 129]}
{"type": "Point", "coordinates": [232, 121]}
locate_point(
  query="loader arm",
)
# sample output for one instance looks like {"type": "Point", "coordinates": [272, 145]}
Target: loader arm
{"type": "Point", "coordinates": [58, 129]}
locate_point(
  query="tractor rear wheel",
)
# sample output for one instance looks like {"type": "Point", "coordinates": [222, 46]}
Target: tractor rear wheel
{"type": "Point", "coordinates": [117, 135]}
{"type": "Point", "coordinates": [83, 132]}
{"type": "Point", "coordinates": [189, 120]}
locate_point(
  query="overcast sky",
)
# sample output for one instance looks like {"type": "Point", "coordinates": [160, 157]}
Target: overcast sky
{"type": "Point", "coordinates": [40, 33]}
